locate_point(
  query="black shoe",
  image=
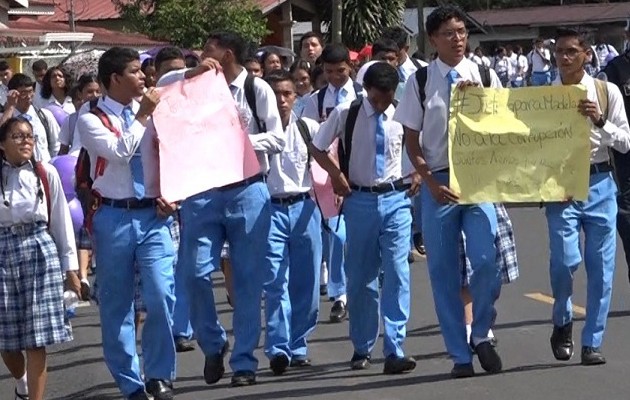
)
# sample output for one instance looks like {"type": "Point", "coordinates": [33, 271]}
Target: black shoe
{"type": "Point", "coordinates": [398, 365]}
{"type": "Point", "coordinates": [493, 341]}
{"type": "Point", "coordinates": [20, 396]}
{"type": "Point", "coordinates": [159, 389]}
{"type": "Point", "coordinates": [214, 369]}
{"type": "Point", "coordinates": [279, 364]}
{"type": "Point", "coordinates": [418, 243]}
{"type": "Point", "coordinates": [182, 345]}
{"type": "Point", "coordinates": [488, 357]}
{"type": "Point", "coordinates": [410, 258]}
{"type": "Point", "coordinates": [300, 363]}
{"type": "Point", "coordinates": [592, 356]}
{"type": "Point", "coordinates": [139, 395]}
{"type": "Point", "coordinates": [85, 291]}
{"type": "Point", "coordinates": [323, 290]}
{"type": "Point", "coordinates": [462, 371]}
{"type": "Point", "coordinates": [243, 378]}
{"type": "Point", "coordinates": [562, 342]}
{"type": "Point", "coordinates": [338, 312]}
{"type": "Point", "coordinates": [360, 362]}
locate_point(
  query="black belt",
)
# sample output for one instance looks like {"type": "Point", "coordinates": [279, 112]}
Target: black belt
{"type": "Point", "coordinates": [244, 182]}
{"type": "Point", "coordinates": [287, 201]}
{"type": "Point", "coordinates": [601, 167]}
{"type": "Point", "coordinates": [443, 170]}
{"type": "Point", "coordinates": [398, 185]}
{"type": "Point", "coordinates": [129, 204]}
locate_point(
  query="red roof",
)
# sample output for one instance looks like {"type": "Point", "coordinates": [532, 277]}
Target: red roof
{"type": "Point", "coordinates": [102, 36]}
{"type": "Point", "coordinates": [84, 10]}
{"type": "Point", "coordinates": [268, 5]}
{"type": "Point", "coordinates": [573, 14]}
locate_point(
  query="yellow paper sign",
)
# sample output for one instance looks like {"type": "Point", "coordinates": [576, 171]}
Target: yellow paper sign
{"type": "Point", "coordinates": [518, 145]}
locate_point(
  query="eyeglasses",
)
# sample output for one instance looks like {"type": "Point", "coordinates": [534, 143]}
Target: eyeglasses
{"type": "Point", "coordinates": [570, 53]}
{"type": "Point", "coordinates": [451, 34]}
{"type": "Point", "coordinates": [21, 137]}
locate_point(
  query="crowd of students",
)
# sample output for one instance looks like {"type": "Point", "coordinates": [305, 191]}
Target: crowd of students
{"type": "Point", "coordinates": [382, 139]}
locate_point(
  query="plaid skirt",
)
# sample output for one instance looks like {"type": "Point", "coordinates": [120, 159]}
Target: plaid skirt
{"type": "Point", "coordinates": [506, 250]}
{"type": "Point", "coordinates": [31, 283]}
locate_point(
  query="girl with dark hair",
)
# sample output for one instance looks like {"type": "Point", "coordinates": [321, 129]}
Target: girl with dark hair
{"type": "Point", "coordinates": [55, 91]}
{"type": "Point", "coordinates": [37, 243]}
{"type": "Point", "coordinates": [301, 74]}
{"type": "Point", "coordinates": [271, 61]}
{"type": "Point", "coordinates": [86, 90]}
{"type": "Point", "coordinates": [149, 71]}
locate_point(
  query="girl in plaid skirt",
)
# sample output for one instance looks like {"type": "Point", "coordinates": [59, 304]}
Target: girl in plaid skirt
{"type": "Point", "coordinates": [36, 247]}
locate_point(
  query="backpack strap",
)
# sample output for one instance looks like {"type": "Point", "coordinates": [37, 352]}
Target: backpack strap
{"type": "Point", "coordinates": [40, 171]}
{"type": "Point", "coordinates": [358, 90]}
{"type": "Point", "coordinates": [44, 121]}
{"type": "Point", "coordinates": [421, 79]}
{"type": "Point", "coordinates": [250, 97]}
{"type": "Point", "coordinates": [306, 136]}
{"type": "Point", "coordinates": [345, 146]}
{"type": "Point", "coordinates": [415, 62]}
{"type": "Point", "coordinates": [321, 94]}
{"type": "Point", "coordinates": [101, 163]}
{"type": "Point", "coordinates": [484, 72]}
{"type": "Point", "coordinates": [602, 96]}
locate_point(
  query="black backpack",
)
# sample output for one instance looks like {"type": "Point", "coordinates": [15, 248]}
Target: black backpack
{"type": "Point", "coordinates": [250, 96]}
{"type": "Point", "coordinates": [321, 94]}
{"type": "Point", "coordinates": [42, 117]}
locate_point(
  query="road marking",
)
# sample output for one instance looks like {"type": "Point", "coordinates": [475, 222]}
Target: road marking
{"type": "Point", "coordinates": [550, 300]}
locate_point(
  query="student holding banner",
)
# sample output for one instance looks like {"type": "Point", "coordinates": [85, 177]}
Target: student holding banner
{"type": "Point", "coordinates": [443, 219]}
{"type": "Point", "coordinates": [596, 216]}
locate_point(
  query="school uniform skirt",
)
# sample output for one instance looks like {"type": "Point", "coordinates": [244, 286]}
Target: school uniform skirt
{"type": "Point", "coordinates": [31, 285]}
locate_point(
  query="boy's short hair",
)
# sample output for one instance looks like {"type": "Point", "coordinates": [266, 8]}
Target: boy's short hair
{"type": "Point", "coordinates": [4, 66]}
{"type": "Point", "coordinates": [335, 54]}
{"type": "Point", "coordinates": [582, 37]}
{"type": "Point", "coordinates": [279, 75]}
{"type": "Point", "coordinates": [309, 35]}
{"type": "Point", "coordinates": [384, 45]}
{"type": "Point", "coordinates": [381, 76]}
{"type": "Point", "coordinates": [398, 35]}
{"type": "Point", "coordinates": [234, 42]}
{"type": "Point", "coordinates": [441, 15]}
{"type": "Point", "coordinates": [167, 54]}
{"type": "Point", "coordinates": [20, 81]}
{"type": "Point", "coordinates": [39, 66]}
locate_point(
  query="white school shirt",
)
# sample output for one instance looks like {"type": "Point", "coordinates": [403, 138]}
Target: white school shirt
{"type": "Point", "coordinates": [513, 60]}
{"type": "Point", "coordinates": [265, 143]}
{"type": "Point", "coordinates": [69, 134]}
{"type": "Point", "coordinates": [615, 133]}
{"type": "Point", "coordinates": [538, 65]}
{"type": "Point", "coordinates": [289, 173]}
{"type": "Point", "coordinates": [116, 181]}
{"type": "Point", "coordinates": [42, 151]}
{"type": "Point", "coordinates": [362, 168]}
{"type": "Point", "coordinates": [66, 105]}
{"type": "Point", "coordinates": [605, 52]}
{"type": "Point", "coordinates": [38, 100]}
{"type": "Point", "coordinates": [25, 207]}
{"type": "Point", "coordinates": [522, 64]}
{"type": "Point", "coordinates": [311, 107]}
{"type": "Point", "coordinates": [433, 121]}
{"type": "Point", "coordinates": [408, 68]}
{"type": "Point", "coordinates": [4, 92]}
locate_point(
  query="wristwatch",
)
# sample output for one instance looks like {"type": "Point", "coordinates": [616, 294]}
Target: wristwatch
{"type": "Point", "coordinates": [600, 122]}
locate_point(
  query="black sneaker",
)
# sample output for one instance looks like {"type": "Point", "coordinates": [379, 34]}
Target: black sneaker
{"type": "Point", "coordinates": [279, 364]}
{"type": "Point", "coordinates": [243, 378]}
{"type": "Point", "coordinates": [214, 368]}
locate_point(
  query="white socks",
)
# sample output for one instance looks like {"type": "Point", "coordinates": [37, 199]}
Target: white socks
{"type": "Point", "coordinates": [477, 340]}
{"type": "Point", "coordinates": [21, 386]}
{"type": "Point", "coordinates": [343, 298]}
{"type": "Point", "coordinates": [323, 277]}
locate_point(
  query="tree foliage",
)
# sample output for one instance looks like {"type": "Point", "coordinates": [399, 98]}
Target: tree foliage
{"type": "Point", "coordinates": [187, 23]}
{"type": "Point", "coordinates": [472, 5]}
{"type": "Point", "coordinates": [364, 20]}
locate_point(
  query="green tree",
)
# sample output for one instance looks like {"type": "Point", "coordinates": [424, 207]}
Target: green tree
{"type": "Point", "coordinates": [364, 20]}
{"type": "Point", "coordinates": [187, 23]}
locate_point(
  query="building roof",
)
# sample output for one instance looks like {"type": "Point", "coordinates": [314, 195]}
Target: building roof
{"type": "Point", "coordinates": [84, 10]}
{"type": "Point", "coordinates": [102, 36]}
{"type": "Point", "coordinates": [574, 14]}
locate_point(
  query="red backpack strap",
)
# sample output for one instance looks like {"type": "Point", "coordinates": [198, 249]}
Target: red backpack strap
{"type": "Point", "coordinates": [101, 163]}
{"type": "Point", "coordinates": [43, 176]}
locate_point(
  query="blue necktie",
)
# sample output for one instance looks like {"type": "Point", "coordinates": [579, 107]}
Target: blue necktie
{"type": "Point", "coordinates": [26, 117]}
{"type": "Point", "coordinates": [380, 146]}
{"type": "Point", "coordinates": [137, 172]}
{"type": "Point", "coordinates": [401, 75]}
{"type": "Point", "coordinates": [452, 78]}
{"type": "Point", "coordinates": [340, 96]}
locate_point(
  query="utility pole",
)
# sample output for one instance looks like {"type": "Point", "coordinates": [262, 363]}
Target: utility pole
{"type": "Point", "coordinates": [335, 26]}
{"type": "Point", "coordinates": [73, 27]}
{"type": "Point", "coordinates": [420, 40]}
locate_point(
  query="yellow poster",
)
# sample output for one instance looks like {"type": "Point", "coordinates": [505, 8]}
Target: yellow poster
{"type": "Point", "coordinates": [518, 145]}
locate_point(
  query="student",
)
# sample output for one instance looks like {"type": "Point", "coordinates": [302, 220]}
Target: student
{"type": "Point", "coordinates": [207, 224]}
{"type": "Point", "coordinates": [55, 89]}
{"type": "Point", "coordinates": [540, 60]}
{"type": "Point", "coordinates": [407, 65]}
{"type": "Point", "coordinates": [301, 73]}
{"type": "Point", "coordinates": [39, 69]}
{"type": "Point", "coordinates": [501, 65]}
{"type": "Point", "coordinates": [254, 66]}
{"type": "Point", "coordinates": [378, 217]}
{"type": "Point", "coordinates": [311, 46]}
{"type": "Point", "coordinates": [294, 249]}
{"type": "Point", "coordinates": [318, 78]}
{"type": "Point", "coordinates": [443, 219]}
{"type": "Point", "coordinates": [44, 124]}
{"type": "Point", "coordinates": [271, 61]}
{"type": "Point", "coordinates": [6, 73]}
{"type": "Point", "coordinates": [596, 216]}
{"type": "Point", "coordinates": [148, 69]}
{"type": "Point", "coordinates": [385, 50]}
{"type": "Point", "coordinates": [37, 243]}
{"type": "Point", "coordinates": [130, 230]}
{"type": "Point", "coordinates": [86, 90]}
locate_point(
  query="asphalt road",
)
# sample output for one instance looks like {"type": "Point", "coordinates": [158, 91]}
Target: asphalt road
{"type": "Point", "coordinates": [77, 370]}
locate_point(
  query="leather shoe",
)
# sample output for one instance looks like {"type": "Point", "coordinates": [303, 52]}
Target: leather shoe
{"type": "Point", "coordinates": [300, 362]}
{"type": "Point", "coordinates": [159, 389]}
{"type": "Point", "coordinates": [488, 357]}
{"type": "Point", "coordinates": [462, 371]}
{"type": "Point", "coordinates": [398, 365]}
{"type": "Point", "coordinates": [338, 312]}
{"type": "Point", "coordinates": [140, 395]}
{"type": "Point", "coordinates": [359, 362]}
{"type": "Point", "coordinates": [279, 364]}
{"type": "Point", "coordinates": [562, 342]}
{"type": "Point", "coordinates": [418, 243]}
{"type": "Point", "coordinates": [592, 356]}
{"type": "Point", "coordinates": [182, 345]}
{"type": "Point", "coordinates": [243, 378]}
{"type": "Point", "coordinates": [214, 369]}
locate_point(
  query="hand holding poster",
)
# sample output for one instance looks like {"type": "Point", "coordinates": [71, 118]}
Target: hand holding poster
{"type": "Point", "coordinates": [202, 144]}
{"type": "Point", "coordinates": [523, 145]}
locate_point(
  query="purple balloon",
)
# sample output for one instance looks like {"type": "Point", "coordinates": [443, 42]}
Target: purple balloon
{"type": "Point", "coordinates": [58, 112]}
{"type": "Point", "coordinates": [76, 213]}
{"type": "Point", "coordinates": [65, 167]}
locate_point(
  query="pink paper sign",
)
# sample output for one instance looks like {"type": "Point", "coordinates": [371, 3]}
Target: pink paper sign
{"type": "Point", "coordinates": [324, 193]}
{"type": "Point", "coordinates": [202, 143]}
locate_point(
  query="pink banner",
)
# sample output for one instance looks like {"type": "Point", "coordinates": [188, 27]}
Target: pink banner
{"type": "Point", "coordinates": [323, 190]}
{"type": "Point", "coordinates": [202, 143]}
